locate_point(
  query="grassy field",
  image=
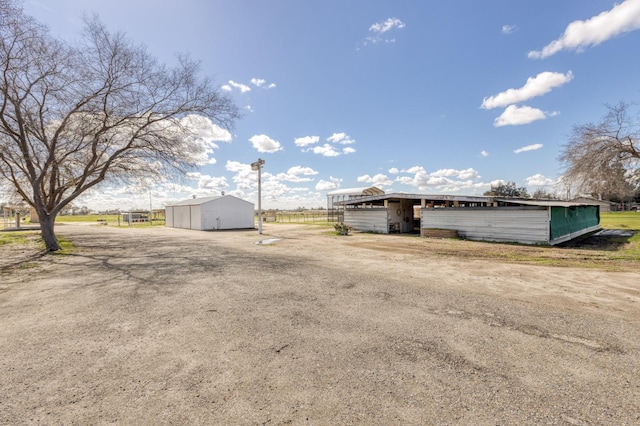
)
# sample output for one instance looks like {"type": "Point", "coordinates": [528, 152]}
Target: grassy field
{"type": "Point", "coordinates": [620, 220]}
{"type": "Point", "coordinates": [103, 219]}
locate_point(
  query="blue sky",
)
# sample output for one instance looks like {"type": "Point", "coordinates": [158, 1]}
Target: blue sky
{"type": "Point", "coordinates": [411, 96]}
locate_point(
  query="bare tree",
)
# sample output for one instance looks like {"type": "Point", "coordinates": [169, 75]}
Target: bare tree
{"type": "Point", "coordinates": [603, 159]}
{"type": "Point", "coordinates": [75, 115]}
{"type": "Point", "coordinates": [543, 194]}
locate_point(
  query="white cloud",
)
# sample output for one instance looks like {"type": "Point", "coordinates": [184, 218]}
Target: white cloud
{"type": "Point", "coordinates": [261, 82]}
{"type": "Point", "coordinates": [212, 182]}
{"type": "Point", "coordinates": [579, 35]}
{"type": "Point", "coordinates": [325, 150]}
{"type": "Point", "coordinates": [306, 140]}
{"type": "Point", "coordinates": [460, 174]}
{"type": "Point", "coordinates": [484, 153]}
{"type": "Point", "coordinates": [444, 180]}
{"type": "Point", "coordinates": [341, 138]}
{"type": "Point", "coordinates": [235, 166]}
{"type": "Point", "coordinates": [241, 87]}
{"type": "Point", "coordinates": [394, 171]}
{"type": "Point", "coordinates": [380, 28]}
{"type": "Point", "coordinates": [348, 150]}
{"type": "Point", "coordinates": [414, 169]}
{"type": "Point", "coordinates": [377, 180]}
{"type": "Point", "coordinates": [508, 29]}
{"type": "Point", "coordinates": [515, 116]}
{"type": "Point", "coordinates": [331, 184]}
{"type": "Point", "coordinates": [405, 180]}
{"type": "Point", "coordinates": [298, 170]}
{"type": "Point", "coordinates": [204, 128]}
{"type": "Point", "coordinates": [539, 180]}
{"type": "Point", "coordinates": [289, 177]}
{"type": "Point", "coordinates": [293, 174]}
{"type": "Point", "coordinates": [200, 140]}
{"type": "Point", "coordinates": [533, 147]}
{"type": "Point", "coordinates": [383, 27]}
{"type": "Point", "coordinates": [535, 86]}
{"type": "Point", "coordinates": [263, 143]}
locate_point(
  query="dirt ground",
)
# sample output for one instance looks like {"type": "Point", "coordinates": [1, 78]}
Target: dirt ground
{"type": "Point", "coordinates": [167, 326]}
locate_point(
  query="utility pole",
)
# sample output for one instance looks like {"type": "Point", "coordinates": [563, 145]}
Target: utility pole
{"type": "Point", "coordinates": [257, 166]}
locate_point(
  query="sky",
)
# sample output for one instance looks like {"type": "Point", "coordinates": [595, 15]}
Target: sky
{"type": "Point", "coordinates": [415, 96]}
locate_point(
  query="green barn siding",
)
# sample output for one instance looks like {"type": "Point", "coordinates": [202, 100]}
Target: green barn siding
{"type": "Point", "coordinates": [569, 220]}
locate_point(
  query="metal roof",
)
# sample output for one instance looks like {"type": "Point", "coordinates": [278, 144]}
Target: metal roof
{"type": "Point", "coordinates": [406, 196]}
{"type": "Point", "coordinates": [357, 191]}
{"type": "Point", "coordinates": [460, 198]}
{"type": "Point", "coordinates": [544, 203]}
{"type": "Point", "coordinates": [203, 200]}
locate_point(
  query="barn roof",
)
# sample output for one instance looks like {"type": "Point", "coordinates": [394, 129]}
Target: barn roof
{"type": "Point", "coordinates": [544, 203]}
{"type": "Point", "coordinates": [378, 199]}
{"type": "Point", "coordinates": [203, 200]}
{"type": "Point", "coordinates": [416, 197]}
{"type": "Point", "coordinates": [372, 190]}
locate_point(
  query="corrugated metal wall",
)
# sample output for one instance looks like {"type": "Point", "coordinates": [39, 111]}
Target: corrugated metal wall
{"type": "Point", "coordinates": [182, 217]}
{"type": "Point", "coordinates": [527, 225]}
{"type": "Point", "coordinates": [227, 213]}
{"type": "Point", "coordinates": [372, 220]}
{"type": "Point", "coordinates": [168, 216]}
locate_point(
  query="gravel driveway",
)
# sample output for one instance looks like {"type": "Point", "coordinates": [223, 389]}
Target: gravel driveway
{"type": "Point", "coordinates": [168, 326]}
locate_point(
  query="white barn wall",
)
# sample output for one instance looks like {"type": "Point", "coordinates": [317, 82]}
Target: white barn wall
{"type": "Point", "coordinates": [211, 213]}
{"type": "Point", "coordinates": [228, 213]}
{"type": "Point", "coordinates": [372, 220]}
{"type": "Point", "coordinates": [182, 217]}
{"type": "Point", "coordinates": [168, 216]}
{"type": "Point", "coordinates": [195, 218]}
{"type": "Point", "coordinates": [528, 225]}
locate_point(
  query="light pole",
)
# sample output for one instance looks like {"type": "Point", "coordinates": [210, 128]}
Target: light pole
{"type": "Point", "coordinates": [257, 166]}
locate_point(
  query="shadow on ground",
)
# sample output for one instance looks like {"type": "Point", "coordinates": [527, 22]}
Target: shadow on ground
{"type": "Point", "coordinates": [606, 239]}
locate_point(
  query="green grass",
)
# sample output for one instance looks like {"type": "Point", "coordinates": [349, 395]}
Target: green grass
{"type": "Point", "coordinates": [20, 237]}
{"type": "Point", "coordinates": [86, 218]}
{"type": "Point", "coordinates": [103, 219]}
{"type": "Point", "coordinates": [66, 246]}
{"type": "Point", "coordinates": [620, 220]}
{"type": "Point", "coordinates": [33, 237]}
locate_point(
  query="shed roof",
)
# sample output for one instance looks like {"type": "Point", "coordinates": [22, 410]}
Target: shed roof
{"type": "Point", "coordinates": [543, 203]}
{"type": "Point", "coordinates": [461, 198]}
{"type": "Point", "coordinates": [357, 191]}
{"type": "Point", "coordinates": [593, 201]}
{"type": "Point", "coordinates": [203, 200]}
{"type": "Point", "coordinates": [407, 196]}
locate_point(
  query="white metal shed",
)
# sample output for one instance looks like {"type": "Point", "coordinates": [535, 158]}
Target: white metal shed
{"type": "Point", "coordinates": [211, 213]}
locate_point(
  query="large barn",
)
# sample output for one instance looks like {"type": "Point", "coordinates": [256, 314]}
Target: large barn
{"type": "Point", "coordinates": [473, 217]}
{"type": "Point", "coordinates": [211, 213]}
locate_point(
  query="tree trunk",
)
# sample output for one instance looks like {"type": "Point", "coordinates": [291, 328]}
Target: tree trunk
{"type": "Point", "coordinates": [47, 223]}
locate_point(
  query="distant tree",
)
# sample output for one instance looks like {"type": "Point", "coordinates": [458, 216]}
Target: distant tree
{"type": "Point", "coordinates": [542, 194]}
{"type": "Point", "coordinates": [508, 189]}
{"type": "Point", "coordinates": [75, 115]}
{"type": "Point", "coordinates": [603, 159]}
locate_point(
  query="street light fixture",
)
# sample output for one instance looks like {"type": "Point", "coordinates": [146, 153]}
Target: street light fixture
{"type": "Point", "coordinates": [257, 167]}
